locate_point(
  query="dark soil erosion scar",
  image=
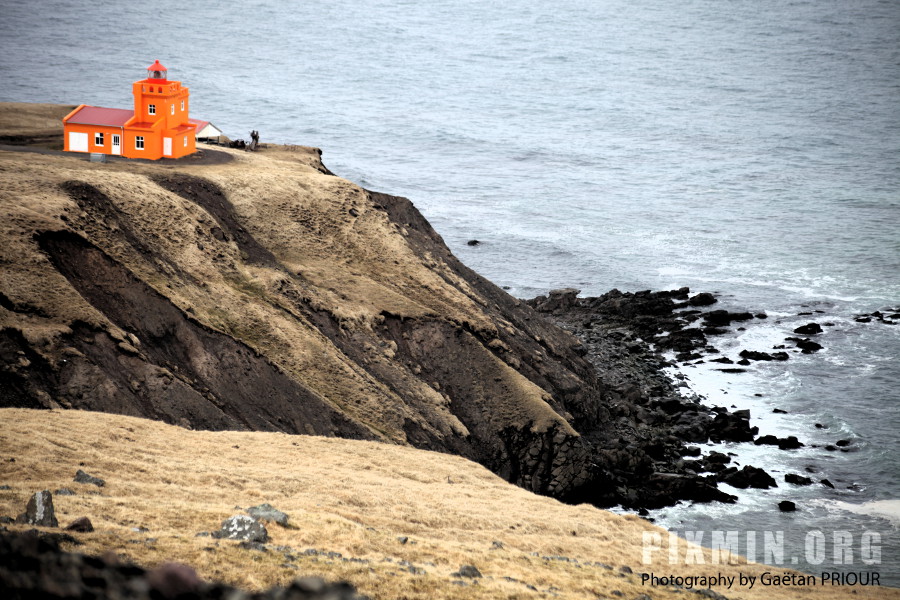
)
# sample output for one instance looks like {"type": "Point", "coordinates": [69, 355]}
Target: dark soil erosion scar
{"type": "Point", "coordinates": [230, 375]}
{"type": "Point", "coordinates": [211, 198]}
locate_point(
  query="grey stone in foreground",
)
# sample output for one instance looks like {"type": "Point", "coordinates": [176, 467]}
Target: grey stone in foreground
{"type": "Point", "coordinates": [39, 511]}
{"type": "Point", "coordinates": [267, 512]}
{"type": "Point", "coordinates": [244, 528]}
{"type": "Point", "coordinates": [82, 477]}
{"type": "Point", "coordinates": [32, 565]}
{"type": "Point", "coordinates": [470, 571]}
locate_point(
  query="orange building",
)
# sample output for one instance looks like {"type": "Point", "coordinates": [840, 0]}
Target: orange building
{"type": "Point", "coordinates": [157, 127]}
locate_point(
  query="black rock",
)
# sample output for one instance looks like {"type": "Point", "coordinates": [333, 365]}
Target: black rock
{"type": "Point", "coordinates": [82, 477]}
{"type": "Point", "coordinates": [754, 355]}
{"type": "Point", "coordinates": [842, 443]}
{"type": "Point", "coordinates": [720, 318]}
{"type": "Point", "coordinates": [809, 329]}
{"type": "Point", "coordinates": [473, 243]}
{"type": "Point", "coordinates": [797, 479]}
{"type": "Point", "coordinates": [787, 506]}
{"type": "Point", "coordinates": [788, 443]}
{"type": "Point", "coordinates": [702, 299]}
{"type": "Point", "coordinates": [749, 476]}
{"type": "Point", "coordinates": [827, 483]}
{"type": "Point", "coordinates": [81, 525]}
{"type": "Point", "coordinates": [808, 346]}
{"type": "Point", "coordinates": [779, 411]}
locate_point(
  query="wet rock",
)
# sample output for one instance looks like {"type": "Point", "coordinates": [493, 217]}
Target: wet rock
{"type": "Point", "coordinates": [754, 355]}
{"type": "Point", "coordinates": [827, 483]}
{"type": "Point", "coordinates": [39, 511]}
{"type": "Point", "coordinates": [244, 528]}
{"type": "Point", "coordinates": [723, 318]}
{"type": "Point", "coordinates": [797, 479]}
{"type": "Point", "coordinates": [473, 243]}
{"type": "Point", "coordinates": [788, 443]}
{"type": "Point", "coordinates": [779, 411]}
{"type": "Point", "coordinates": [807, 346]}
{"type": "Point", "coordinates": [842, 443]}
{"type": "Point", "coordinates": [82, 477]}
{"type": "Point", "coordinates": [787, 506]}
{"type": "Point", "coordinates": [809, 329]}
{"type": "Point", "coordinates": [749, 476]}
{"type": "Point", "coordinates": [267, 512]}
{"type": "Point", "coordinates": [702, 299]}
{"type": "Point", "coordinates": [81, 525]}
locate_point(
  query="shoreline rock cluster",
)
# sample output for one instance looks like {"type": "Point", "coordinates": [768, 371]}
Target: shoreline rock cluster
{"type": "Point", "coordinates": [646, 450]}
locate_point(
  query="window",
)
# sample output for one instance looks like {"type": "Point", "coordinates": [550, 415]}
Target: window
{"type": "Point", "coordinates": [139, 142]}
{"type": "Point", "coordinates": [98, 139]}
{"type": "Point", "coordinates": [173, 109]}
{"type": "Point", "coordinates": [185, 141]}
{"type": "Point", "coordinates": [182, 105]}
{"type": "Point", "coordinates": [151, 109]}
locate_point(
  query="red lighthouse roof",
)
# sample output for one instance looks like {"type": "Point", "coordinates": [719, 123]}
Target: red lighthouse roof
{"type": "Point", "coordinates": [156, 72]}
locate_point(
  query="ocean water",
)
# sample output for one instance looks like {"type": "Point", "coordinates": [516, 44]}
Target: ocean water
{"type": "Point", "coordinates": [746, 148]}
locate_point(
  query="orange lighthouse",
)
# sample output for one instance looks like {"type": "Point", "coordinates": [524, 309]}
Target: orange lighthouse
{"type": "Point", "coordinates": [158, 127]}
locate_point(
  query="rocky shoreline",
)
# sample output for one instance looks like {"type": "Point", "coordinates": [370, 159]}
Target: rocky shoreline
{"type": "Point", "coordinates": [645, 453]}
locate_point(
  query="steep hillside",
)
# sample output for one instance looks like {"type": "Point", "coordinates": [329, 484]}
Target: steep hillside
{"type": "Point", "coordinates": [395, 521]}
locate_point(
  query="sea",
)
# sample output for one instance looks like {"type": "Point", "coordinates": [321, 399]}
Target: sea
{"type": "Point", "coordinates": [746, 148]}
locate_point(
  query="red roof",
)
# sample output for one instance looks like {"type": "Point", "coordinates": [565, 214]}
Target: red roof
{"type": "Point", "coordinates": [156, 67]}
{"type": "Point", "coordinates": [95, 115]}
{"type": "Point", "coordinates": [200, 124]}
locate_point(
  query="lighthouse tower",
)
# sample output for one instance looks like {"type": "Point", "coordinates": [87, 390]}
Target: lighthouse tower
{"type": "Point", "coordinates": [160, 126]}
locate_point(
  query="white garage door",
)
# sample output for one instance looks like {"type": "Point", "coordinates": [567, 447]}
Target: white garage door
{"type": "Point", "coordinates": [78, 142]}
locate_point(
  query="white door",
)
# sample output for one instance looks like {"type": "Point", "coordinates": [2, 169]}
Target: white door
{"type": "Point", "coordinates": [116, 144]}
{"type": "Point", "coordinates": [167, 146]}
{"type": "Point", "coordinates": [78, 142]}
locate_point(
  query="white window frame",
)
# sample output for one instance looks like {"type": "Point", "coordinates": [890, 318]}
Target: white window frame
{"type": "Point", "coordinates": [98, 138]}
{"type": "Point", "coordinates": [151, 109]}
{"type": "Point", "coordinates": [173, 109]}
{"type": "Point", "coordinates": [185, 141]}
{"type": "Point", "coordinates": [138, 142]}
{"type": "Point", "coordinates": [182, 106]}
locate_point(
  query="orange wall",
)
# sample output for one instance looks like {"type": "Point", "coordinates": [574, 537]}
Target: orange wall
{"type": "Point", "coordinates": [108, 132]}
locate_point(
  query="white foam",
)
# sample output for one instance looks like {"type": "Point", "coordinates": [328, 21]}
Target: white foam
{"type": "Point", "coordinates": [889, 509]}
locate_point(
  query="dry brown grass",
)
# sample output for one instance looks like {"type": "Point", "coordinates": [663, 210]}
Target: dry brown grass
{"type": "Point", "coordinates": [356, 498]}
{"type": "Point", "coordinates": [30, 119]}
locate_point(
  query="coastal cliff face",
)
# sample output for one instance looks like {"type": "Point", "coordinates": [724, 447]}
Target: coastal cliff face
{"type": "Point", "coordinates": [260, 292]}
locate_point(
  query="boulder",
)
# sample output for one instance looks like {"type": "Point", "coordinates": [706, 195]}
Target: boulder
{"type": "Point", "coordinates": [82, 477]}
{"type": "Point", "coordinates": [749, 476]}
{"type": "Point", "coordinates": [797, 479]}
{"type": "Point", "coordinates": [267, 512]}
{"type": "Point", "coordinates": [39, 511]}
{"type": "Point", "coordinates": [244, 528]}
{"type": "Point", "coordinates": [809, 329]}
{"type": "Point", "coordinates": [702, 299]}
{"type": "Point", "coordinates": [81, 525]}
{"type": "Point", "coordinates": [787, 506]}
{"type": "Point", "coordinates": [754, 355]}
{"type": "Point", "coordinates": [789, 443]}
{"type": "Point", "coordinates": [807, 346]}
{"type": "Point", "coordinates": [721, 318]}
{"type": "Point", "coordinates": [470, 571]}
